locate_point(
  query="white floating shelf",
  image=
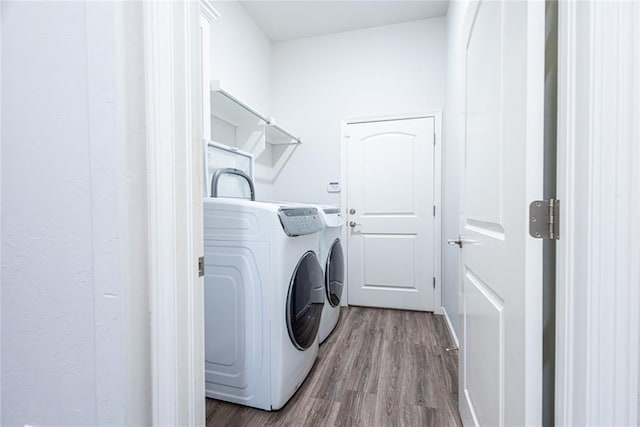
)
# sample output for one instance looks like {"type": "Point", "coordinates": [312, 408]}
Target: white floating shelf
{"type": "Point", "coordinates": [230, 109]}
{"type": "Point", "coordinates": [276, 135]}
{"type": "Point", "coordinates": [270, 144]}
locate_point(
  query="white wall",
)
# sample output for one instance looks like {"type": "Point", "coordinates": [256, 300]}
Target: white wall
{"type": "Point", "coordinates": [453, 136]}
{"type": "Point", "coordinates": [320, 81]}
{"type": "Point", "coordinates": [241, 56]}
{"type": "Point", "coordinates": [241, 60]}
{"type": "Point", "coordinates": [74, 335]}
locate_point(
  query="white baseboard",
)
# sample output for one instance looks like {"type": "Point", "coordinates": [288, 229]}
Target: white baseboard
{"type": "Point", "coordinates": [452, 332]}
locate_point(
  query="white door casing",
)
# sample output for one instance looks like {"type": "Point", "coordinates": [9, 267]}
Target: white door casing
{"type": "Point", "coordinates": [502, 171]}
{"type": "Point", "coordinates": [598, 274]}
{"type": "Point", "coordinates": [208, 15]}
{"type": "Point", "coordinates": [391, 247]}
{"type": "Point", "coordinates": [174, 145]}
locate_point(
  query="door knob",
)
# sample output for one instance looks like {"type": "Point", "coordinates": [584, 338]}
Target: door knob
{"type": "Point", "coordinates": [459, 241]}
{"type": "Point", "coordinates": [455, 242]}
{"type": "Point", "coordinates": [353, 224]}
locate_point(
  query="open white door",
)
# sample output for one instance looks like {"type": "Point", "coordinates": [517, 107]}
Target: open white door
{"type": "Point", "coordinates": [502, 172]}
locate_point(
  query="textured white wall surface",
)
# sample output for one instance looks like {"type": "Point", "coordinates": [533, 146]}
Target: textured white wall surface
{"type": "Point", "coordinates": [48, 333]}
{"type": "Point", "coordinates": [320, 81]}
{"type": "Point", "coordinates": [73, 298]}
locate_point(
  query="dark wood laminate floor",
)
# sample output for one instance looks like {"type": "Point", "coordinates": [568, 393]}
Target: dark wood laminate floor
{"type": "Point", "coordinates": [379, 368]}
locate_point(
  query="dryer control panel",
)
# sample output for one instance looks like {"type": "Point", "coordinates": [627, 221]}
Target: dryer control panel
{"type": "Point", "coordinates": [331, 216]}
{"type": "Point", "coordinates": [300, 220]}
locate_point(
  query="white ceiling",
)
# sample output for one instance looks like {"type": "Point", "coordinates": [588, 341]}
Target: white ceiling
{"type": "Point", "coordinates": [288, 20]}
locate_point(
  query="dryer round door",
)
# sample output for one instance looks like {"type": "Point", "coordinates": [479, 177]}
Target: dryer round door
{"type": "Point", "coordinates": [334, 274]}
{"type": "Point", "coordinates": [305, 301]}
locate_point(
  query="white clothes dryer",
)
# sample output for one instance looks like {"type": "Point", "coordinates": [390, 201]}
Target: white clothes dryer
{"type": "Point", "coordinates": [332, 260]}
{"type": "Point", "coordinates": [264, 294]}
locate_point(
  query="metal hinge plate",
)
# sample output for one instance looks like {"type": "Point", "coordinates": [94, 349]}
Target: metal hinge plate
{"type": "Point", "coordinates": [544, 219]}
{"type": "Point", "coordinates": [201, 266]}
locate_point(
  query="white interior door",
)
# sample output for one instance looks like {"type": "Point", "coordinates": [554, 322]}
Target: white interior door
{"type": "Point", "coordinates": [501, 345]}
{"type": "Point", "coordinates": [390, 219]}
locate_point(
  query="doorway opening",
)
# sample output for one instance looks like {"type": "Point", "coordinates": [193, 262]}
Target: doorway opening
{"type": "Point", "coordinates": [391, 193]}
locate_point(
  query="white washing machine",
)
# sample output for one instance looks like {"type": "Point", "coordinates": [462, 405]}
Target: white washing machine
{"type": "Point", "coordinates": [332, 260]}
{"type": "Point", "coordinates": [264, 294]}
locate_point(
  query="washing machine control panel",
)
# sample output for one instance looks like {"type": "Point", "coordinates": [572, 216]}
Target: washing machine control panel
{"type": "Point", "coordinates": [300, 220]}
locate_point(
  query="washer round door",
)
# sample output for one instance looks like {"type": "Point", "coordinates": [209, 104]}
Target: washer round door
{"type": "Point", "coordinates": [305, 301]}
{"type": "Point", "coordinates": [334, 273]}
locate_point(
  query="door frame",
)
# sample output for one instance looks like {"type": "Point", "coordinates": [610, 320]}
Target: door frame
{"type": "Point", "coordinates": [437, 183]}
{"type": "Point", "coordinates": [173, 104]}
{"type": "Point", "coordinates": [595, 387]}
{"type": "Point", "coordinates": [165, 278]}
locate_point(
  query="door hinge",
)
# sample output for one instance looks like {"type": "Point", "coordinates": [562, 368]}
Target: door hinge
{"type": "Point", "coordinates": [544, 219]}
{"type": "Point", "coordinates": [434, 211]}
{"type": "Point", "coordinates": [434, 283]}
{"type": "Point", "coordinates": [201, 266]}
{"type": "Point", "coordinates": [434, 139]}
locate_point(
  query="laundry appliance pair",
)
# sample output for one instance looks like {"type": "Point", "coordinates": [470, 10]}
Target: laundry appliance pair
{"type": "Point", "coordinates": [267, 296]}
{"type": "Point", "coordinates": [331, 257]}
{"type": "Point", "coordinates": [264, 295]}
